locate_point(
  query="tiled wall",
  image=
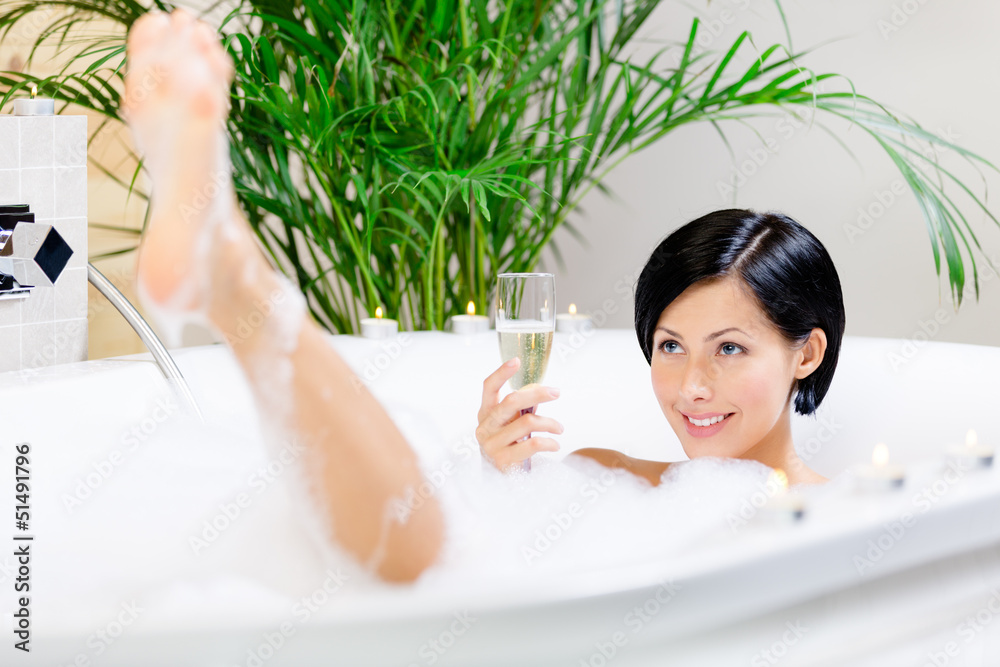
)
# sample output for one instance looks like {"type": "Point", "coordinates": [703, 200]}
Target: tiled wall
{"type": "Point", "coordinates": [43, 163]}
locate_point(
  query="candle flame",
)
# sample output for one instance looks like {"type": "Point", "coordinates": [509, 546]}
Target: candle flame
{"type": "Point", "coordinates": [378, 312]}
{"type": "Point", "coordinates": [470, 309]}
{"type": "Point", "coordinates": [572, 309]}
{"type": "Point", "coordinates": [880, 455]}
{"type": "Point", "coordinates": [34, 91]}
{"type": "Point", "coordinates": [970, 438]}
{"type": "Point", "coordinates": [779, 479]}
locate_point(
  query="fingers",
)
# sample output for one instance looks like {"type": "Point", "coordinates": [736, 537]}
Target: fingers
{"type": "Point", "coordinates": [493, 419]}
{"type": "Point", "coordinates": [510, 457]}
{"type": "Point", "coordinates": [493, 383]}
{"type": "Point", "coordinates": [526, 425]}
{"type": "Point", "coordinates": [501, 424]}
{"type": "Point", "coordinates": [525, 397]}
{"type": "Point", "coordinates": [506, 446]}
{"type": "Point", "coordinates": [522, 399]}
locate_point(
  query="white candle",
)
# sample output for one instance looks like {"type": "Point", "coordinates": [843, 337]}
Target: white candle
{"type": "Point", "coordinates": [880, 475]}
{"type": "Point", "coordinates": [783, 507]}
{"type": "Point", "coordinates": [470, 323]}
{"type": "Point", "coordinates": [34, 106]}
{"type": "Point", "coordinates": [573, 321]}
{"type": "Point", "coordinates": [377, 327]}
{"type": "Point", "coordinates": [971, 454]}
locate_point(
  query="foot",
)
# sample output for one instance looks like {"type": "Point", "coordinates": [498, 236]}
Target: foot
{"type": "Point", "coordinates": [197, 251]}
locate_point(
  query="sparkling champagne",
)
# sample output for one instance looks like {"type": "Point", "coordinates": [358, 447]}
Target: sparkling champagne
{"type": "Point", "coordinates": [533, 346]}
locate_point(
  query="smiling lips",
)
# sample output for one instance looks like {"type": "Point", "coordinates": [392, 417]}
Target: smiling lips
{"type": "Point", "coordinates": [704, 418]}
{"type": "Point", "coordinates": [705, 424]}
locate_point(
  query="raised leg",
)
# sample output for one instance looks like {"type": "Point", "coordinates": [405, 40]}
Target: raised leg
{"type": "Point", "coordinates": [199, 260]}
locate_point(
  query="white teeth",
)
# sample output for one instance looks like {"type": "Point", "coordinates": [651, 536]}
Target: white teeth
{"type": "Point", "coordinates": [707, 422]}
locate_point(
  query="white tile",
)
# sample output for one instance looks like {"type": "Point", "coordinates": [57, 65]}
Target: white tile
{"type": "Point", "coordinates": [70, 141]}
{"type": "Point", "coordinates": [37, 133]}
{"type": "Point", "coordinates": [71, 295]}
{"type": "Point", "coordinates": [10, 349]}
{"type": "Point", "coordinates": [70, 192]}
{"type": "Point", "coordinates": [71, 341]}
{"type": "Point", "coordinates": [37, 187]}
{"type": "Point", "coordinates": [10, 312]}
{"type": "Point", "coordinates": [38, 347]}
{"type": "Point", "coordinates": [10, 152]}
{"type": "Point", "coordinates": [39, 305]}
{"type": "Point", "coordinates": [10, 186]}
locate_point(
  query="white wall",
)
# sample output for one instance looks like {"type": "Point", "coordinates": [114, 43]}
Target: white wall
{"type": "Point", "coordinates": [940, 67]}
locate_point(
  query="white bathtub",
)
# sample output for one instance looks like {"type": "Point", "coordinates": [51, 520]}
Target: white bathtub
{"type": "Point", "coordinates": [762, 596]}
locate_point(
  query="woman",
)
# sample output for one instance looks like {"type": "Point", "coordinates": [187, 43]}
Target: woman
{"type": "Point", "coordinates": [737, 313]}
{"type": "Point", "coordinates": [199, 260]}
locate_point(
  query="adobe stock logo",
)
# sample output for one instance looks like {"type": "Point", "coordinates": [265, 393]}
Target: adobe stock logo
{"type": "Point", "coordinates": [900, 15]}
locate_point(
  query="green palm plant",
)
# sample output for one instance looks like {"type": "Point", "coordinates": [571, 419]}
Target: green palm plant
{"type": "Point", "coordinates": [402, 153]}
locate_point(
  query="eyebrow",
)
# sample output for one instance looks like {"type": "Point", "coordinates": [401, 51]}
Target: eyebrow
{"type": "Point", "coordinates": [709, 337]}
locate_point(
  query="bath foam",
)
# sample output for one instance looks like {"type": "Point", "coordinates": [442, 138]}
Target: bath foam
{"type": "Point", "coordinates": [566, 516]}
{"type": "Point", "coordinates": [181, 477]}
{"type": "Point", "coordinates": [563, 517]}
{"type": "Point", "coordinates": [576, 518]}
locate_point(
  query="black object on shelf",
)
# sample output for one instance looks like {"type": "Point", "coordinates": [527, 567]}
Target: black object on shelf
{"type": "Point", "coordinates": [11, 214]}
{"type": "Point", "coordinates": [9, 220]}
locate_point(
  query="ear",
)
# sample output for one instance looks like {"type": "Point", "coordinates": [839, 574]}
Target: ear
{"type": "Point", "coordinates": [810, 355]}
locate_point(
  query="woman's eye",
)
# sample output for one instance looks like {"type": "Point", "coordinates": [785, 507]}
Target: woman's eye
{"type": "Point", "coordinates": [666, 346]}
{"type": "Point", "coordinates": [730, 346]}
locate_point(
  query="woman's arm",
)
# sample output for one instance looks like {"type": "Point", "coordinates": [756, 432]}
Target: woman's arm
{"type": "Point", "coordinates": [651, 471]}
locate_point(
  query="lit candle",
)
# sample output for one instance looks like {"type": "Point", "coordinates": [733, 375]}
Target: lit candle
{"type": "Point", "coordinates": [880, 475]}
{"type": "Point", "coordinates": [971, 454]}
{"type": "Point", "coordinates": [470, 323]}
{"type": "Point", "coordinates": [783, 507]}
{"type": "Point", "coordinates": [573, 321]}
{"type": "Point", "coordinates": [377, 327]}
{"type": "Point", "coordinates": [34, 106]}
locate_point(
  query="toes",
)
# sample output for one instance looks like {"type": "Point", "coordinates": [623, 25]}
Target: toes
{"type": "Point", "coordinates": [146, 31]}
{"type": "Point", "coordinates": [207, 42]}
{"type": "Point", "coordinates": [182, 18]}
{"type": "Point", "coordinates": [204, 38]}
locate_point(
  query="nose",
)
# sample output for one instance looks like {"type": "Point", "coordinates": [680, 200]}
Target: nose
{"type": "Point", "coordinates": [696, 381]}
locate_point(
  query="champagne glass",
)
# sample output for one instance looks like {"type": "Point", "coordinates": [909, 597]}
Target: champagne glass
{"type": "Point", "coordinates": [525, 315]}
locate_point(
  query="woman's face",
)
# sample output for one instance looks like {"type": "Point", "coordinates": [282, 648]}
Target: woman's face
{"type": "Point", "coordinates": [715, 354]}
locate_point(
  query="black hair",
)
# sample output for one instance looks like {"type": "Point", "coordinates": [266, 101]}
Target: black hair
{"type": "Point", "coordinates": [784, 265]}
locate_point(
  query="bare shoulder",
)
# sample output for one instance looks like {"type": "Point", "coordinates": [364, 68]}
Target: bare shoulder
{"type": "Point", "coordinates": [651, 471]}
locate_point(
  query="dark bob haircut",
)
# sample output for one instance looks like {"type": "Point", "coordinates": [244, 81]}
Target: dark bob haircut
{"type": "Point", "coordinates": [779, 260]}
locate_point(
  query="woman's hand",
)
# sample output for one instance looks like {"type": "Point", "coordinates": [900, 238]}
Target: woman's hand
{"type": "Point", "coordinates": [501, 424]}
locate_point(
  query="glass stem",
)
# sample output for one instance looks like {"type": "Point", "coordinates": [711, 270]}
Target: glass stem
{"type": "Point", "coordinates": [526, 463]}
